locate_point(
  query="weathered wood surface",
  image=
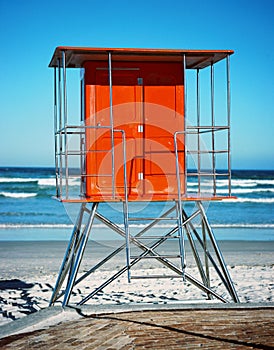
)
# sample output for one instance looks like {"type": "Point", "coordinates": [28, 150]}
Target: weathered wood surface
{"type": "Point", "coordinates": [169, 329]}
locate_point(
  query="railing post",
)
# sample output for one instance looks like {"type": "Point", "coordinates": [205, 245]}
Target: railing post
{"type": "Point", "coordinates": [111, 123]}
{"type": "Point", "coordinates": [213, 130]}
{"type": "Point", "coordinates": [228, 122]}
{"type": "Point", "coordinates": [198, 130]}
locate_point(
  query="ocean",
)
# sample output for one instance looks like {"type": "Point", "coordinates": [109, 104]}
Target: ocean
{"type": "Point", "coordinates": [28, 210]}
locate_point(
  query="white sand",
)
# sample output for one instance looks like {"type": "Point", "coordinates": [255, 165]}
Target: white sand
{"type": "Point", "coordinates": [29, 272]}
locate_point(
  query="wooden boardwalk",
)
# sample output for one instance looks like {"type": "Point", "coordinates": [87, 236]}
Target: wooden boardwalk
{"type": "Point", "coordinates": [220, 328]}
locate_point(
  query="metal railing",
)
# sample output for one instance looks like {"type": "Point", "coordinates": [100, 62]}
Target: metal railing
{"type": "Point", "coordinates": [201, 157]}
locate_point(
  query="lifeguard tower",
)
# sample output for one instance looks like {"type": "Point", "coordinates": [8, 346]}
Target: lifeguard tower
{"type": "Point", "coordinates": [142, 137]}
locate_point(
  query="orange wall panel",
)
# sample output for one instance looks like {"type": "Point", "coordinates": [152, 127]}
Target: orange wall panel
{"type": "Point", "coordinates": [148, 104]}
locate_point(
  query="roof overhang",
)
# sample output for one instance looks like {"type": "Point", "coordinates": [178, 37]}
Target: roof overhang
{"type": "Point", "coordinates": [76, 56]}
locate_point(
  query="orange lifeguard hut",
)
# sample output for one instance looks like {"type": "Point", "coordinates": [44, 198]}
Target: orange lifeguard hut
{"type": "Point", "coordinates": [135, 142]}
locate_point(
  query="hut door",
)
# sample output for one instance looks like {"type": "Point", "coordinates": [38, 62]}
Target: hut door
{"type": "Point", "coordinates": [126, 112]}
{"type": "Point", "coordinates": [163, 116]}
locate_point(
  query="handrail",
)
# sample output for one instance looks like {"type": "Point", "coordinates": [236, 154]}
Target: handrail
{"type": "Point", "coordinates": [62, 153]}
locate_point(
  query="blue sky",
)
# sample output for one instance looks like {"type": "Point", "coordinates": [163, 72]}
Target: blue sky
{"type": "Point", "coordinates": [31, 29]}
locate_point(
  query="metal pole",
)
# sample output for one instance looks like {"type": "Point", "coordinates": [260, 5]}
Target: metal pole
{"type": "Point", "coordinates": [179, 206]}
{"type": "Point", "coordinates": [228, 122]}
{"type": "Point", "coordinates": [65, 118]}
{"type": "Point", "coordinates": [77, 240]}
{"type": "Point", "coordinates": [82, 163]}
{"type": "Point", "coordinates": [219, 255]}
{"type": "Point", "coordinates": [55, 134]}
{"type": "Point", "coordinates": [60, 127]}
{"type": "Point", "coordinates": [196, 255]}
{"type": "Point", "coordinates": [185, 119]}
{"type": "Point", "coordinates": [181, 237]}
{"type": "Point", "coordinates": [65, 87]}
{"type": "Point", "coordinates": [79, 256]}
{"type": "Point", "coordinates": [177, 165]}
{"type": "Point", "coordinates": [206, 251]}
{"type": "Point", "coordinates": [213, 132]}
{"type": "Point", "coordinates": [198, 131]}
{"type": "Point", "coordinates": [206, 258]}
{"type": "Point", "coordinates": [205, 255]}
{"type": "Point", "coordinates": [67, 257]}
{"type": "Point", "coordinates": [60, 94]}
{"type": "Point", "coordinates": [125, 204]}
{"type": "Point", "coordinates": [111, 123]}
{"type": "Point", "coordinates": [55, 102]}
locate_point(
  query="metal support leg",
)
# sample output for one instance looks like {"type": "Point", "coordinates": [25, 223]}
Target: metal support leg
{"type": "Point", "coordinates": [179, 203]}
{"type": "Point", "coordinates": [74, 255]}
{"type": "Point", "coordinates": [206, 257]}
{"type": "Point", "coordinates": [68, 255]}
{"type": "Point", "coordinates": [127, 234]}
{"type": "Point", "coordinates": [219, 255]}
{"type": "Point", "coordinates": [206, 252]}
{"type": "Point", "coordinates": [181, 237]}
{"type": "Point", "coordinates": [196, 256]}
{"type": "Point", "coordinates": [79, 255]}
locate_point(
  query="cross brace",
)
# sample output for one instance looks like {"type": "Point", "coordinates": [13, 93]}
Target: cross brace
{"type": "Point", "coordinates": [76, 247]}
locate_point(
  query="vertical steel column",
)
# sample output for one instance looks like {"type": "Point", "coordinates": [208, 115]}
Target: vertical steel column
{"type": "Point", "coordinates": [55, 100]}
{"type": "Point", "coordinates": [65, 87]}
{"type": "Point", "coordinates": [185, 120]}
{"type": "Point", "coordinates": [212, 125]}
{"type": "Point", "coordinates": [55, 134]}
{"type": "Point", "coordinates": [179, 207]}
{"type": "Point", "coordinates": [228, 123]}
{"type": "Point", "coordinates": [60, 94]}
{"type": "Point", "coordinates": [65, 118]}
{"type": "Point", "coordinates": [125, 203]}
{"type": "Point", "coordinates": [198, 130]}
{"type": "Point", "coordinates": [111, 122]}
{"type": "Point", "coordinates": [60, 127]}
{"type": "Point", "coordinates": [82, 162]}
{"type": "Point", "coordinates": [82, 135]}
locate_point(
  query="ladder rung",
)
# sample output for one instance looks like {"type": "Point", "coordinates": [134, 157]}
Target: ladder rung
{"type": "Point", "coordinates": [156, 237]}
{"type": "Point", "coordinates": [98, 150]}
{"type": "Point", "coordinates": [155, 276]}
{"type": "Point", "coordinates": [155, 256]}
{"type": "Point", "coordinates": [150, 219]}
{"type": "Point", "coordinates": [98, 175]}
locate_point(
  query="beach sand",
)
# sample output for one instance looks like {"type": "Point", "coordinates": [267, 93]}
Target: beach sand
{"type": "Point", "coordinates": [29, 271]}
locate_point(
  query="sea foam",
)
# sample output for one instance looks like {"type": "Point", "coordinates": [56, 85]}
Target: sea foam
{"type": "Point", "coordinates": [18, 195]}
